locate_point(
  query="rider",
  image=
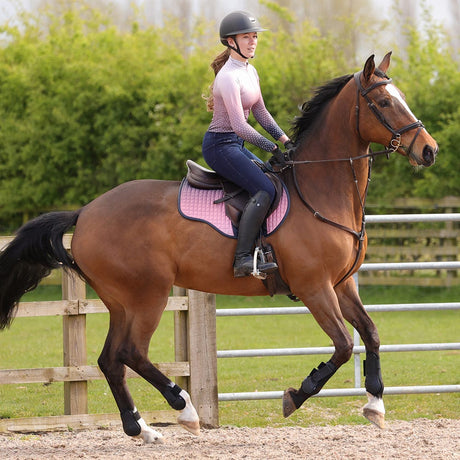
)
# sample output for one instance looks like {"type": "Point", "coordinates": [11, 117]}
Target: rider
{"type": "Point", "coordinates": [235, 92]}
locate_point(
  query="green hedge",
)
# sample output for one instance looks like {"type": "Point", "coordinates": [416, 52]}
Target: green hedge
{"type": "Point", "coordinates": [85, 107]}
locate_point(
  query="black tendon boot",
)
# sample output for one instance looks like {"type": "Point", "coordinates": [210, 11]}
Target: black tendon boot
{"type": "Point", "coordinates": [252, 219]}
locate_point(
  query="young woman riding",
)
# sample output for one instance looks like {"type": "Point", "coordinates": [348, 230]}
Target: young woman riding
{"type": "Point", "coordinates": [235, 93]}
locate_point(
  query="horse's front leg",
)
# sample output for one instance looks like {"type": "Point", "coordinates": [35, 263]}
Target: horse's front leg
{"type": "Point", "coordinates": [325, 309]}
{"type": "Point", "coordinates": [354, 312]}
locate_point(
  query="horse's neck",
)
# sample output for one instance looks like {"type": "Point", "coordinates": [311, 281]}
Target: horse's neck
{"type": "Point", "coordinates": [334, 135]}
{"type": "Point", "coordinates": [330, 182]}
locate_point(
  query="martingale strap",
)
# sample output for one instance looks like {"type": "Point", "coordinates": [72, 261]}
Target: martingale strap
{"type": "Point", "coordinates": [359, 235]}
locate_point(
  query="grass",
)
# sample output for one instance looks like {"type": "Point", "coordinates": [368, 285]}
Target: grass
{"type": "Point", "coordinates": [37, 342]}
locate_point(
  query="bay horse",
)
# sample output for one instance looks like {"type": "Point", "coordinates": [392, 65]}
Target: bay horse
{"type": "Point", "coordinates": [132, 245]}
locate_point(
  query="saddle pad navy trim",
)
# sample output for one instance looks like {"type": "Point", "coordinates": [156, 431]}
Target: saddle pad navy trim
{"type": "Point", "coordinates": [198, 204]}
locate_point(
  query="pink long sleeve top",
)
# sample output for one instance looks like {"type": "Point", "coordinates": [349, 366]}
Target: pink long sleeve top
{"type": "Point", "coordinates": [236, 92]}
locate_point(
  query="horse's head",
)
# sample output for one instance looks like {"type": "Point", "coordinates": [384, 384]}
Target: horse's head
{"type": "Point", "coordinates": [387, 119]}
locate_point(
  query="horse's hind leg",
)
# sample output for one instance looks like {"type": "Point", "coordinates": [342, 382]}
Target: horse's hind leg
{"type": "Point", "coordinates": [137, 359]}
{"type": "Point", "coordinates": [114, 371]}
{"type": "Point", "coordinates": [127, 345]}
{"type": "Point", "coordinates": [354, 312]}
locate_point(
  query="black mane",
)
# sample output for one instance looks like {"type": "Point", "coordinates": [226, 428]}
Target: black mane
{"type": "Point", "coordinates": [312, 108]}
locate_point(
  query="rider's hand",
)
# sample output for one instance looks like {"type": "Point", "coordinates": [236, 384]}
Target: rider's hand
{"type": "Point", "coordinates": [278, 155]}
{"type": "Point", "coordinates": [289, 145]}
{"type": "Point", "coordinates": [278, 160]}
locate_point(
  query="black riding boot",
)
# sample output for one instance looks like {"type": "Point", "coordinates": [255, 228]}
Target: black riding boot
{"type": "Point", "coordinates": [252, 219]}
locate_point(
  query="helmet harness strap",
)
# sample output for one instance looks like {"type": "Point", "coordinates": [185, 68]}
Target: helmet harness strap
{"type": "Point", "coordinates": [237, 48]}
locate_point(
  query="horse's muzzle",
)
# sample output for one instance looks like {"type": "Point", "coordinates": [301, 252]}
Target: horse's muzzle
{"type": "Point", "coordinates": [427, 158]}
{"type": "Point", "coordinates": [429, 155]}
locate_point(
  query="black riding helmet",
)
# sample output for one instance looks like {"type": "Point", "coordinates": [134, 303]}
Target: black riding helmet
{"type": "Point", "coordinates": [238, 22]}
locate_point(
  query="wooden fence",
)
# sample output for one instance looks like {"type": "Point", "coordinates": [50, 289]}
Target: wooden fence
{"type": "Point", "coordinates": [414, 242]}
{"type": "Point", "coordinates": [195, 366]}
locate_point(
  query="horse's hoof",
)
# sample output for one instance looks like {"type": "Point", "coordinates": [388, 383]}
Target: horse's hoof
{"type": "Point", "coordinates": [374, 410]}
{"type": "Point", "coordinates": [154, 439]}
{"type": "Point", "coordinates": [188, 417]}
{"type": "Point", "coordinates": [377, 418]}
{"type": "Point", "coordinates": [191, 426]}
{"type": "Point", "coordinates": [149, 435]}
{"type": "Point", "coordinates": [288, 403]}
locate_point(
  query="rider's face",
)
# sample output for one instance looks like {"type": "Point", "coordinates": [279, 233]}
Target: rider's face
{"type": "Point", "coordinates": [247, 43]}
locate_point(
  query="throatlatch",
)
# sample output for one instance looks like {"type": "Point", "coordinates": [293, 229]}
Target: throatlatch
{"type": "Point", "coordinates": [373, 374]}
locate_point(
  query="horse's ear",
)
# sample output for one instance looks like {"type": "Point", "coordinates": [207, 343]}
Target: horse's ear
{"type": "Point", "coordinates": [383, 66]}
{"type": "Point", "coordinates": [369, 68]}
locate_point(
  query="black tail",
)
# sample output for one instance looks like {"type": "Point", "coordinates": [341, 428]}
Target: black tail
{"type": "Point", "coordinates": [34, 252]}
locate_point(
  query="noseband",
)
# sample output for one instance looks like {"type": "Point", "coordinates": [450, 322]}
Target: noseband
{"type": "Point", "coordinates": [395, 141]}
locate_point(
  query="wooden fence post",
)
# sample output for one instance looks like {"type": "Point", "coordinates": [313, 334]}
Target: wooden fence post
{"type": "Point", "coordinates": [74, 345]}
{"type": "Point", "coordinates": [181, 338]}
{"type": "Point", "coordinates": [202, 350]}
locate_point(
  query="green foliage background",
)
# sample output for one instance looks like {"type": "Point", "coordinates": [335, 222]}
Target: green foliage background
{"type": "Point", "coordinates": [85, 107]}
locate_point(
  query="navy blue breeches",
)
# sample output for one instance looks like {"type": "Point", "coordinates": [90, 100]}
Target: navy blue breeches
{"type": "Point", "coordinates": [225, 153]}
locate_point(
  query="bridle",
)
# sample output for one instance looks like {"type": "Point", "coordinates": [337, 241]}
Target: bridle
{"type": "Point", "coordinates": [395, 141]}
{"type": "Point", "coordinates": [393, 145]}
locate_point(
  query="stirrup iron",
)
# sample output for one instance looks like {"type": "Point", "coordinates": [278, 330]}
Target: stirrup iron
{"type": "Point", "coordinates": [256, 273]}
{"type": "Point", "coordinates": [259, 260]}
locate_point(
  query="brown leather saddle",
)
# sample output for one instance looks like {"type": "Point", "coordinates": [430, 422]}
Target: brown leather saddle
{"type": "Point", "coordinates": [235, 199]}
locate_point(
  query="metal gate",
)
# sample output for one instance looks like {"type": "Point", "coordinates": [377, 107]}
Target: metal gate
{"type": "Point", "coordinates": [358, 349]}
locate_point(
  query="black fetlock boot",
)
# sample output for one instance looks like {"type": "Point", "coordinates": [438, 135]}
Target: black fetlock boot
{"type": "Point", "coordinates": [249, 227]}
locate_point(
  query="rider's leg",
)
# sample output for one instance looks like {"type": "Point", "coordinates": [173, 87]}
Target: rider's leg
{"type": "Point", "coordinates": [226, 154]}
{"type": "Point", "coordinates": [249, 227]}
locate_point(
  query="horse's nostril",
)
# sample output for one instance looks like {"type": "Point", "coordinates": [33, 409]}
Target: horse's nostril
{"type": "Point", "coordinates": [429, 154]}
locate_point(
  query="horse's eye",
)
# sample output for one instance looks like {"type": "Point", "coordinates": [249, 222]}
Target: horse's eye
{"type": "Point", "coordinates": [385, 103]}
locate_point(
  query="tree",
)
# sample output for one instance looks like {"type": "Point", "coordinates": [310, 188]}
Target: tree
{"type": "Point", "coordinates": [86, 107]}
{"type": "Point", "coordinates": [429, 76]}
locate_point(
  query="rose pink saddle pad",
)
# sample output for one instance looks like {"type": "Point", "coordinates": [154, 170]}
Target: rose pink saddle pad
{"type": "Point", "coordinates": [198, 204]}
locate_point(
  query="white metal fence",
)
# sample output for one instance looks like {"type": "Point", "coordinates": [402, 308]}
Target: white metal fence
{"type": "Point", "coordinates": [358, 349]}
